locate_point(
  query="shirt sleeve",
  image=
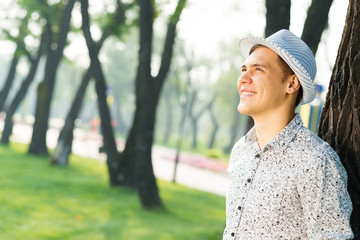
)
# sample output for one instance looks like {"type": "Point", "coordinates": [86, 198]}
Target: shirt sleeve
{"type": "Point", "coordinates": [325, 201]}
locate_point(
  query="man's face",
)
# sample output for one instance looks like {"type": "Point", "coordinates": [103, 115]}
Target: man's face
{"type": "Point", "coordinates": [261, 86]}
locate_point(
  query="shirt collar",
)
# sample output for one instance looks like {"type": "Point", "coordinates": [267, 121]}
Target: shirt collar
{"type": "Point", "coordinates": [282, 140]}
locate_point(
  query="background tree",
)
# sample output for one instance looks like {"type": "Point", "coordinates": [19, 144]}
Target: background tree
{"type": "Point", "coordinates": [64, 143]}
{"type": "Point", "coordinates": [315, 23]}
{"type": "Point", "coordinates": [340, 118]}
{"type": "Point", "coordinates": [168, 94]}
{"type": "Point", "coordinates": [100, 85]}
{"type": "Point", "coordinates": [184, 99]}
{"type": "Point", "coordinates": [20, 51]}
{"type": "Point", "coordinates": [34, 62]}
{"type": "Point", "coordinates": [135, 161]}
{"type": "Point", "coordinates": [46, 87]}
{"type": "Point", "coordinates": [277, 15]}
{"type": "Point", "coordinates": [120, 72]}
{"type": "Point", "coordinates": [214, 122]}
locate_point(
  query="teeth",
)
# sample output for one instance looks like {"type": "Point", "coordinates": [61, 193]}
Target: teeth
{"type": "Point", "coordinates": [248, 93]}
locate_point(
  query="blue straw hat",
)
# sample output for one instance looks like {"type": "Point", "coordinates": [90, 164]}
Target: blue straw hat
{"type": "Point", "coordinates": [294, 52]}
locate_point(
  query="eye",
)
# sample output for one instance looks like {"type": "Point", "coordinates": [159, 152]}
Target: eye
{"type": "Point", "coordinates": [243, 70]}
{"type": "Point", "coordinates": [259, 69]}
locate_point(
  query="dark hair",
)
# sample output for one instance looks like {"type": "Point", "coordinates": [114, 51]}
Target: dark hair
{"type": "Point", "coordinates": [299, 96]}
{"type": "Point", "coordinates": [288, 72]}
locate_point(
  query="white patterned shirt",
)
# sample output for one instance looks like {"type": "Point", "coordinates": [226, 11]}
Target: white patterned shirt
{"type": "Point", "coordinates": [294, 188]}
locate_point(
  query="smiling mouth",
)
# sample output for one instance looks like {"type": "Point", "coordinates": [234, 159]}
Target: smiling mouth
{"type": "Point", "coordinates": [246, 94]}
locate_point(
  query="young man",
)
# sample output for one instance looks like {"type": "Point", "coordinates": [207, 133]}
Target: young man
{"type": "Point", "coordinates": [285, 182]}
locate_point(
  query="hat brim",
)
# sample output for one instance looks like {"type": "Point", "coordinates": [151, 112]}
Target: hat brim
{"type": "Point", "coordinates": [306, 82]}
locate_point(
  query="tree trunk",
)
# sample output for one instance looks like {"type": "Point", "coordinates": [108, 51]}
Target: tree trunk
{"type": "Point", "coordinates": [34, 62]}
{"type": "Point", "coordinates": [194, 122]}
{"type": "Point", "coordinates": [340, 117]}
{"type": "Point", "coordinates": [38, 138]}
{"type": "Point", "coordinates": [316, 21]}
{"type": "Point", "coordinates": [9, 80]}
{"type": "Point", "coordinates": [169, 115]}
{"type": "Point", "coordinates": [109, 146]}
{"type": "Point", "coordinates": [64, 145]}
{"type": "Point", "coordinates": [193, 118]}
{"type": "Point", "coordinates": [46, 88]}
{"type": "Point", "coordinates": [185, 106]}
{"type": "Point", "coordinates": [277, 16]}
{"type": "Point", "coordinates": [214, 121]}
{"type": "Point", "coordinates": [65, 139]}
{"type": "Point", "coordinates": [137, 152]}
{"type": "Point", "coordinates": [100, 86]}
{"type": "Point", "coordinates": [121, 126]}
{"type": "Point", "coordinates": [136, 167]}
{"type": "Point", "coordinates": [234, 131]}
{"type": "Point", "coordinates": [19, 51]}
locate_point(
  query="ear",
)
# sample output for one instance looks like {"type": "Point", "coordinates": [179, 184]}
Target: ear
{"type": "Point", "coordinates": [293, 84]}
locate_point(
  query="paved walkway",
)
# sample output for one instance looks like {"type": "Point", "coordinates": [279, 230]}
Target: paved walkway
{"type": "Point", "coordinates": [194, 171]}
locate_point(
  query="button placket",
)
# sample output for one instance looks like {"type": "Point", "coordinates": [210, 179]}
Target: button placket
{"type": "Point", "coordinates": [248, 184]}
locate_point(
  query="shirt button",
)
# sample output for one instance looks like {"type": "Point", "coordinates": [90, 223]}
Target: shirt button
{"type": "Point", "coordinates": [249, 180]}
{"type": "Point", "coordinates": [239, 207]}
{"type": "Point", "coordinates": [232, 234]}
{"type": "Point", "coordinates": [257, 155]}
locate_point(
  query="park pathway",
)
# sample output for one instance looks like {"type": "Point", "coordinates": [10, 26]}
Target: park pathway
{"type": "Point", "coordinates": [194, 171]}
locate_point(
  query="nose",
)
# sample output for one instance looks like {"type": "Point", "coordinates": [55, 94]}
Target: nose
{"type": "Point", "coordinates": [244, 78]}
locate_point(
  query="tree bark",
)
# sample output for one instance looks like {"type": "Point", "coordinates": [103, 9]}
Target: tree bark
{"type": "Point", "coordinates": [169, 114]}
{"type": "Point", "coordinates": [19, 51]}
{"type": "Point", "coordinates": [34, 62]}
{"type": "Point", "coordinates": [277, 16]}
{"type": "Point", "coordinates": [136, 167]}
{"type": "Point", "coordinates": [64, 144]}
{"type": "Point", "coordinates": [233, 131]}
{"type": "Point", "coordinates": [9, 80]}
{"type": "Point", "coordinates": [65, 140]}
{"type": "Point", "coordinates": [121, 126]}
{"type": "Point", "coordinates": [214, 122]}
{"type": "Point", "coordinates": [194, 118]}
{"type": "Point", "coordinates": [185, 106]}
{"type": "Point", "coordinates": [340, 117]}
{"type": "Point", "coordinates": [137, 152]}
{"type": "Point", "coordinates": [46, 87]}
{"type": "Point", "coordinates": [185, 109]}
{"type": "Point", "coordinates": [100, 87]}
{"type": "Point", "coordinates": [316, 21]}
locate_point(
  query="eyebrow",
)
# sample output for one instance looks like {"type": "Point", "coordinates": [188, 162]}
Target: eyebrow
{"type": "Point", "coordinates": [255, 65]}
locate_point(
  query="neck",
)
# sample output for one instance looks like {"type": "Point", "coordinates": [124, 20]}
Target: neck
{"type": "Point", "coordinates": [269, 126]}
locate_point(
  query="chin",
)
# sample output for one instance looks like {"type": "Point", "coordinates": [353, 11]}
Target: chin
{"type": "Point", "coordinates": [243, 110]}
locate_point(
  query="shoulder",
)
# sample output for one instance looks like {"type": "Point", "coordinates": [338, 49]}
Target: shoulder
{"type": "Point", "coordinates": [312, 148]}
{"type": "Point", "coordinates": [317, 158]}
{"type": "Point", "coordinates": [240, 144]}
{"type": "Point", "coordinates": [239, 151]}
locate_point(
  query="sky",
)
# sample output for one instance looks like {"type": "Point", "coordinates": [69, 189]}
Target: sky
{"type": "Point", "coordinates": [204, 25]}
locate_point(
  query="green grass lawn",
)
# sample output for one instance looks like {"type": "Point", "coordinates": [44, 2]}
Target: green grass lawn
{"type": "Point", "coordinates": [39, 201]}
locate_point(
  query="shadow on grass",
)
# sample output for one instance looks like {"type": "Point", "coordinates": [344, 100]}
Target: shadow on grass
{"type": "Point", "coordinates": [41, 201]}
